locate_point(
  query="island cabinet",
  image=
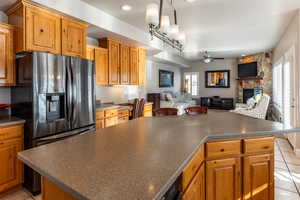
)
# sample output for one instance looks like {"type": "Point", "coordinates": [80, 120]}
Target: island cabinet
{"type": "Point", "coordinates": [231, 169]}
{"type": "Point", "coordinates": [11, 169]}
{"type": "Point", "coordinates": [42, 29]}
{"type": "Point", "coordinates": [7, 66]}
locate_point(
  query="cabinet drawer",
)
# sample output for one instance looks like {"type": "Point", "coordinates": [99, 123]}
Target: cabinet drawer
{"type": "Point", "coordinates": [224, 148]}
{"type": "Point", "coordinates": [148, 113]}
{"type": "Point", "coordinates": [11, 132]}
{"type": "Point", "coordinates": [148, 107]}
{"type": "Point", "coordinates": [99, 115]}
{"type": "Point", "coordinates": [122, 113]}
{"type": "Point", "coordinates": [259, 145]}
{"type": "Point", "coordinates": [111, 121]}
{"type": "Point", "coordinates": [110, 113]}
{"type": "Point", "coordinates": [123, 119]}
{"type": "Point", "coordinates": [190, 171]}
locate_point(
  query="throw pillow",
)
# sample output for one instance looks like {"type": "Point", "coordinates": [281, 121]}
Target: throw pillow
{"type": "Point", "coordinates": [169, 97]}
{"type": "Point", "coordinates": [257, 98]}
{"type": "Point", "coordinates": [251, 103]}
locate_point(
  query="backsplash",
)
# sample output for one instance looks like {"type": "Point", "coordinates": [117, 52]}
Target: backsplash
{"type": "Point", "coordinates": [4, 95]}
{"type": "Point", "coordinates": [119, 93]}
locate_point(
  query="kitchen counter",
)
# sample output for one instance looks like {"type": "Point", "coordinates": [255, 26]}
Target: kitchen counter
{"type": "Point", "coordinates": [10, 121]}
{"type": "Point", "coordinates": [139, 159]}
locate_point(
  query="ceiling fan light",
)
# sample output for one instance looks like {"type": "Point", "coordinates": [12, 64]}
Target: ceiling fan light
{"type": "Point", "coordinates": [152, 14]}
{"type": "Point", "coordinates": [165, 23]}
{"type": "Point", "coordinates": [207, 60]}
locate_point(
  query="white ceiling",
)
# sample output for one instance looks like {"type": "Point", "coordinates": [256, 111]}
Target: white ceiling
{"type": "Point", "coordinates": [226, 28]}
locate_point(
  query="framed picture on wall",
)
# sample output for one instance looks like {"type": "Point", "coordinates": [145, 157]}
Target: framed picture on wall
{"type": "Point", "coordinates": [217, 79]}
{"type": "Point", "coordinates": [166, 78]}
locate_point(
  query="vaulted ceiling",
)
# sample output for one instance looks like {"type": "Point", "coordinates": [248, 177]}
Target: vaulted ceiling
{"type": "Point", "coordinates": [226, 28]}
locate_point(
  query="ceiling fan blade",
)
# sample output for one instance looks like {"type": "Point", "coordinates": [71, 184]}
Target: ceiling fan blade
{"type": "Point", "coordinates": [219, 58]}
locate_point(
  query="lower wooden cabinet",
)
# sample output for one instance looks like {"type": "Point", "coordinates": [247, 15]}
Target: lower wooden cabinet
{"type": "Point", "coordinates": [258, 177]}
{"type": "Point", "coordinates": [11, 169]}
{"type": "Point", "coordinates": [99, 123]}
{"type": "Point", "coordinates": [223, 179]}
{"type": "Point", "coordinates": [112, 121]}
{"type": "Point", "coordinates": [196, 189]}
{"type": "Point", "coordinates": [148, 110]}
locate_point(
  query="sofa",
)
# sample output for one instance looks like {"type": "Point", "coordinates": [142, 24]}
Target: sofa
{"type": "Point", "coordinates": [255, 107]}
{"type": "Point", "coordinates": [178, 101]}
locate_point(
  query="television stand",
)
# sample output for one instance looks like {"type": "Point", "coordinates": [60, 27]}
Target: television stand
{"type": "Point", "coordinates": [216, 102]}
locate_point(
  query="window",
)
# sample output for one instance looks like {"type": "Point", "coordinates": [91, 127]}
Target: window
{"type": "Point", "coordinates": [191, 83]}
{"type": "Point", "coordinates": [277, 86]}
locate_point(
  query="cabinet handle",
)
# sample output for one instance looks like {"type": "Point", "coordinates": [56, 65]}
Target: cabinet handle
{"type": "Point", "coordinates": [222, 150]}
{"type": "Point", "coordinates": [265, 147]}
{"type": "Point", "coordinates": [41, 30]}
{"type": "Point", "coordinates": [1, 142]}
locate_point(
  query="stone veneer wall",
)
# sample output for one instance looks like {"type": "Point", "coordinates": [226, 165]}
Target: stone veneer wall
{"type": "Point", "coordinates": [264, 65]}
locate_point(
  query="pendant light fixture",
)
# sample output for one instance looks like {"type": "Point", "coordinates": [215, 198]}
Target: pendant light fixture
{"type": "Point", "coordinates": [161, 28]}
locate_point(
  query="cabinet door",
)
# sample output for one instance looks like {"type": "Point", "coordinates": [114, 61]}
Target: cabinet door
{"type": "Point", "coordinates": [11, 167]}
{"type": "Point", "coordinates": [7, 67]}
{"type": "Point", "coordinates": [99, 124]}
{"type": "Point", "coordinates": [73, 38]}
{"type": "Point", "coordinates": [114, 62]}
{"type": "Point", "coordinates": [90, 52]}
{"type": "Point", "coordinates": [142, 66]}
{"type": "Point", "coordinates": [134, 79]}
{"type": "Point", "coordinates": [101, 66]}
{"type": "Point", "coordinates": [43, 30]}
{"type": "Point", "coordinates": [223, 179]}
{"type": "Point", "coordinates": [125, 64]}
{"type": "Point", "coordinates": [259, 177]}
{"type": "Point", "coordinates": [196, 190]}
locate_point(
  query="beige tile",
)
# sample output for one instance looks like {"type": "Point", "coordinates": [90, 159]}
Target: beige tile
{"type": "Point", "coordinates": [39, 197]}
{"type": "Point", "coordinates": [291, 158]}
{"type": "Point", "coordinates": [19, 195]}
{"type": "Point", "coordinates": [285, 195]}
{"type": "Point", "coordinates": [280, 165]}
{"type": "Point", "coordinates": [283, 180]}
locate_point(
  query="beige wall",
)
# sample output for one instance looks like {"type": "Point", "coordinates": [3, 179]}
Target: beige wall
{"type": "Point", "coordinates": [288, 40]}
{"type": "Point", "coordinates": [227, 64]}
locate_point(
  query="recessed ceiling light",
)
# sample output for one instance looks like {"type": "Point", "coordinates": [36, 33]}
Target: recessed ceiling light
{"type": "Point", "coordinates": [190, 1]}
{"type": "Point", "coordinates": [126, 7]}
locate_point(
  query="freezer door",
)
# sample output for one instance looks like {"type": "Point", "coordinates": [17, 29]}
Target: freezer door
{"type": "Point", "coordinates": [80, 92]}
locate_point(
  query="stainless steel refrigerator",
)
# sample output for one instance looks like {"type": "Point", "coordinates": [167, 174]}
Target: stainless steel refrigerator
{"type": "Point", "coordinates": [56, 96]}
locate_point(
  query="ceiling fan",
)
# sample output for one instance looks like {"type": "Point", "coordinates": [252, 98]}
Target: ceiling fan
{"type": "Point", "coordinates": [208, 59]}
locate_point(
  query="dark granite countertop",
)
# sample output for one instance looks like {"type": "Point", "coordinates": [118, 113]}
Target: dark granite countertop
{"type": "Point", "coordinates": [138, 160]}
{"type": "Point", "coordinates": [9, 121]}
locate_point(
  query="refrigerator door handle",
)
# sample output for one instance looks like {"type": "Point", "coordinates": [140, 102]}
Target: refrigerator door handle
{"type": "Point", "coordinates": [69, 90]}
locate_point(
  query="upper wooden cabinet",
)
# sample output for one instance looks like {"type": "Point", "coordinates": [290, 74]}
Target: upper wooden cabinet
{"type": "Point", "coordinates": [90, 52]}
{"type": "Point", "coordinates": [7, 66]}
{"type": "Point", "coordinates": [134, 67]}
{"type": "Point", "coordinates": [124, 64]}
{"type": "Point", "coordinates": [73, 38]}
{"type": "Point", "coordinates": [113, 59]}
{"type": "Point", "coordinates": [41, 29]}
{"type": "Point", "coordinates": [142, 66]}
{"type": "Point", "coordinates": [101, 66]}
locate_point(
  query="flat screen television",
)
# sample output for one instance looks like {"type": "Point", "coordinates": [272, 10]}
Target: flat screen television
{"type": "Point", "coordinates": [247, 70]}
{"type": "Point", "coordinates": [166, 78]}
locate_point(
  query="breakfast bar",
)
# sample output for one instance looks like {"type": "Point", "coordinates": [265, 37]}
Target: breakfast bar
{"type": "Point", "coordinates": [144, 158]}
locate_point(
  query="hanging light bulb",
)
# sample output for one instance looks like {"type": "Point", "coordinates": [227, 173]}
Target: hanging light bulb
{"type": "Point", "coordinates": [181, 37]}
{"type": "Point", "coordinates": [152, 14]}
{"type": "Point", "coordinates": [165, 24]}
{"type": "Point", "coordinates": [173, 31]}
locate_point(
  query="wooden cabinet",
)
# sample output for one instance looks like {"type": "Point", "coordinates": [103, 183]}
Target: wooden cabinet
{"type": "Point", "coordinates": [7, 57]}
{"type": "Point", "coordinates": [123, 116]}
{"type": "Point", "coordinates": [90, 52]}
{"type": "Point", "coordinates": [148, 110]}
{"type": "Point", "coordinates": [125, 64]}
{"type": "Point", "coordinates": [223, 179]}
{"type": "Point", "coordinates": [134, 67]}
{"type": "Point", "coordinates": [41, 29]}
{"type": "Point", "coordinates": [11, 169]}
{"type": "Point", "coordinates": [113, 59]}
{"type": "Point", "coordinates": [101, 66]}
{"type": "Point", "coordinates": [142, 66]}
{"type": "Point", "coordinates": [196, 190]}
{"type": "Point", "coordinates": [258, 181]}
{"type": "Point", "coordinates": [73, 37]}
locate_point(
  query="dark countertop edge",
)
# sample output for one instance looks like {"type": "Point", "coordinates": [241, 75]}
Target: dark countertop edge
{"type": "Point", "coordinates": [52, 179]}
{"type": "Point", "coordinates": [173, 178]}
{"type": "Point", "coordinates": [11, 123]}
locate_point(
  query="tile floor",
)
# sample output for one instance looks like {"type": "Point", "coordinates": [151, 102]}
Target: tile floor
{"type": "Point", "coordinates": [287, 175]}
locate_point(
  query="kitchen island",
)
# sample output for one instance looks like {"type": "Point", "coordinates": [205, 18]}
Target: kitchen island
{"type": "Point", "coordinates": [141, 159]}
